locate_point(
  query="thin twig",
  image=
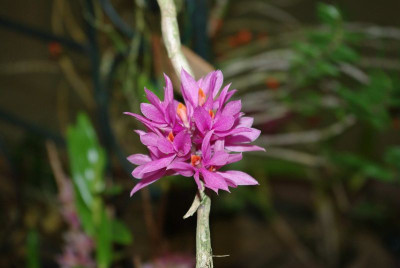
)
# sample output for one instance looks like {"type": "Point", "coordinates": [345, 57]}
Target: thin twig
{"type": "Point", "coordinates": [29, 66]}
{"type": "Point", "coordinates": [374, 31]}
{"type": "Point", "coordinates": [71, 75]}
{"type": "Point", "coordinates": [268, 10]}
{"type": "Point", "coordinates": [312, 136]}
{"type": "Point", "coordinates": [294, 156]}
{"type": "Point", "coordinates": [55, 164]}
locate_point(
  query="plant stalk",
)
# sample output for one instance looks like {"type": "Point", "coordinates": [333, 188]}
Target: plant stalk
{"type": "Point", "coordinates": [203, 240]}
{"type": "Point", "coordinates": [170, 34]}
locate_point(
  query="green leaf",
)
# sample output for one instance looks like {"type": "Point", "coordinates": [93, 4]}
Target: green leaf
{"type": "Point", "coordinates": [87, 163]}
{"type": "Point", "coordinates": [32, 252]}
{"type": "Point", "coordinates": [87, 160]}
{"type": "Point", "coordinates": [308, 50]}
{"type": "Point", "coordinates": [392, 157]}
{"type": "Point", "coordinates": [328, 14]}
{"type": "Point", "coordinates": [321, 38]}
{"type": "Point", "coordinates": [344, 53]}
{"type": "Point", "coordinates": [85, 215]}
{"type": "Point", "coordinates": [371, 103]}
{"type": "Point", "coordinates": [323, 68]}
{"type": "Point", "coordinates": [104, 241]}
{"type": "Point", "coordinates": [120, 233]}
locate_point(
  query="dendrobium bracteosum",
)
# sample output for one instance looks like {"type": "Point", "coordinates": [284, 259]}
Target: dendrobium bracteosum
{"type": "Point", "coordinates": [195, 138]}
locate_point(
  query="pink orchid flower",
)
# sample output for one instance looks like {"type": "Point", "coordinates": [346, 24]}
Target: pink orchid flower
{"type": "Point", "coordinates": [196, 138]}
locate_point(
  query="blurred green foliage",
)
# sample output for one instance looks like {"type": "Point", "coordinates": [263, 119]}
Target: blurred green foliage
{"type": "Point", "coordinates": [325, 48]}
{"type": "Point", "coordinates": [87, 162]}
{"type": "Point", "coordinates": [327, 82]}
{"type": "Point", "coordinates": [371, 103]}
{"type": "Point", "coordinates": [32, 250]}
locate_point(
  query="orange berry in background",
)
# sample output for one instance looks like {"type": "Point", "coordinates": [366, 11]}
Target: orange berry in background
{"type": "Point", "coordinates": [244, 36]}
{"type": "Point", "coordinates": [55, 49]}
{"type": "Point", "coordinates": [272, 83]}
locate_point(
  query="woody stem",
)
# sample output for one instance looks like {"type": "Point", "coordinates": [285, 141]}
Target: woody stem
{"type": "Point", "coordinates": [170, 33]}
{"type": "Point", "coordinates": [203, 239]}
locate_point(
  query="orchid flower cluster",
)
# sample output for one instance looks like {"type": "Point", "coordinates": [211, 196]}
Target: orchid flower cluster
{"type": "Point", "coordinates": [195, 138]}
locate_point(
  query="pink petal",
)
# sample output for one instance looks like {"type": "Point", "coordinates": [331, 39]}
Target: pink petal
{"type": "Point", "coordinates": [168, 90]}
{"type": "Point", "coordinates": [137, 172]}
{"type": "Point", "coordinates": [219, 78]}
{"type": "Point", "coordinates": [224, 123]}
{"type": "Point", "coordinates": [151, 112]}
{"type": "Point", "coordinates": [212, 83]}
{"type": "Point", "coordinates": [208, 105]}
{"type": "Point", "coordinates": [233, 131]}
{"type": "Point", "coordinates": [153, 99]}
{"type": "Point", "coordinates": [232, 108]}
{"type": "Point", "coordinates": [139, 159]}
{"type": "Point", "coordinates": [147, 181]}
{"type": "Point", "coordinates": [182, 143]}
{"type": "Point", "coordinates": [234, 158]}
{"type": "Point", "coordinates": [149, 139]}
{"type": "Point", "coordinates": [220, 158]}
{"type": "Point", "coordinates": [197, 180]}
{"type": "Point", "coordinates": [202, 119]}
{"type": "Point", "coordinates": [205, 146]}
{"type": "Point", "coordinates": [246, 121]}
{"type": "Point", "coordinates": [243, 148]}
{"type": "Point", "coordinates": [219, 145]}
{"type": "Point", "coordinates": [165, 146]}
{"type": "Point", "coordinates": [182, 168]}
{"type": "Point", "coordinates": [200, 82]}
{"type": "Point", "coordinates": [149, 124]}
{"type": "Point", "coordinates": [190, 90]}
{"type": "Point", "coordinates": [230, 94]}
{"type": "Point", "coordinates": [154, 152]}
{"type": "Point", "coordinates": [140, 132]}
{"type": "Point", "coordinates": [238, 177]}
{"type": "Point", "coordinates": [204, 82]}
{"type": "Point", "coordinates": [170, 113]}
{"type": "Point", "coordinates": [250, 136]}
{"type": "Point", "coordinates": [213, 180]}
{"type": "Point", "coordinates": [158, 164]}
{"type": "Point", "coordinates": [222, 96]}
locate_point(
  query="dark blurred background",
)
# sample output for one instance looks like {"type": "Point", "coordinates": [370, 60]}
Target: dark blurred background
{"type": "Point", "coordinates": [321, 79]}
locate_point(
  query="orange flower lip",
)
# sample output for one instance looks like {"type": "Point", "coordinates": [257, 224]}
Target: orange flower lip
{"type": "Point", "coordinates": [202, 97]}
{"type": "Point", "coordinates": [195, 160]}
{"type": "Point", "coordinates": [171, 137]}
{"type": "Point", "coordinates": [211, 114]}
{"type": "Point", "coordinates": [182, 113]}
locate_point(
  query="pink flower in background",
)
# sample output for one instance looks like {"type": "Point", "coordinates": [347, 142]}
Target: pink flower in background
{"type": "Point", "coordinates": [78, 247]}
{"type": "Point", "coordinates": [195, 138]}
